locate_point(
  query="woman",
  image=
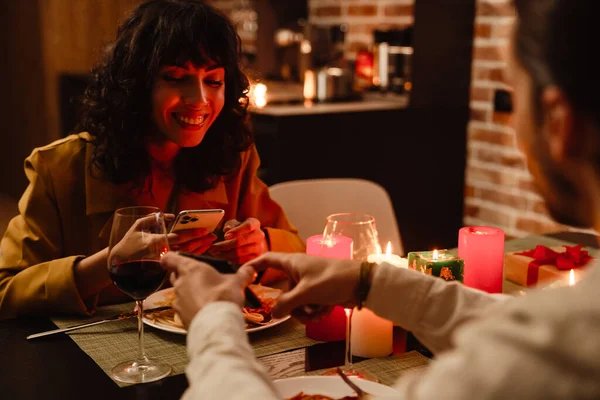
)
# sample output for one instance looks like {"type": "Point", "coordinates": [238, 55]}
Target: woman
{"type": "Point", "coordinates": [164, 124]}
{"type": "Point", "coordinates": [541, 346]}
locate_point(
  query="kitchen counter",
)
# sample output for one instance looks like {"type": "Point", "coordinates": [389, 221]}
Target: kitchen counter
{"type": "Point", "coordinates": [285, 99]}
{"type": "Point", "coordinates": [372, 102]}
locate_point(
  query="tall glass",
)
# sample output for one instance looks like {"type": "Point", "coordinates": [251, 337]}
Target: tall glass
{"type": "Point", "coordinates": [365, 240]}
{"type": "Point", "coordinates": [138, 240]}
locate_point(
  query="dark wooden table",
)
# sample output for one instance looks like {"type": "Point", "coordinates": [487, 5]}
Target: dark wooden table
{"type": "Point", "coordinates": [59, 369]}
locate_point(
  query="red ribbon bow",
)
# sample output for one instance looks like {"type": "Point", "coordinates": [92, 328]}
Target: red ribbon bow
{"type": "Point", "coordinates": [572, 257]}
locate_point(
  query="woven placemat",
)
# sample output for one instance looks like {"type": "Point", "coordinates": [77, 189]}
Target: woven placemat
{"type": "Point", "coordinates": [388, 369]}
{"type": "Point", "coordinates": [114, 342]}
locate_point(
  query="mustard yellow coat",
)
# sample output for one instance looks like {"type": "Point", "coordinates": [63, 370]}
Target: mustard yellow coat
{"type": "Point", "coordinates": [66, 215]}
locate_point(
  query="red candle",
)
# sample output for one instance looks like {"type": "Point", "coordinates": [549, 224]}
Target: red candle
{"type": "Point", "coordinates": [331, 328]}
{"type": "Point", "coordinates": [482, 249]}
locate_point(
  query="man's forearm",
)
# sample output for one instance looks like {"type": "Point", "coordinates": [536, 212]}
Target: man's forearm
{"type": "Point", "coordinates": [429, 307]}
{"type": "Point", "coordinates": [222, 363]}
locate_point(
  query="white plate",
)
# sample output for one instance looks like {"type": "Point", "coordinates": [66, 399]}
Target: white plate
{"type": "Point", "coordinates": [332, 386]}
{"type": "Point", "coordinates": [162, 297]}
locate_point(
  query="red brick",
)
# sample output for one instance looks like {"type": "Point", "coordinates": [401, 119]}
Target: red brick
{"type": "Point", "coordinates": [498, 75]}
{"type": "Point", "coordinates": [481, 94]}
{"type": "Point", "coordinates": [329, 11]}
{"type": "Point", "coordinates": [502, 118]}
{"type": "Point", "coordinates": [517, 202]}
{"type": "Point", "coordinates": [527, 184]}
{"type": "Point", "coordinates": [481, 74]}
{"type": "Point", "coordinates": [363, 11]}
{"type": "Point", "coordinates": [479, 115]}
{"type": "Point", "coordinates": [401, 10]}
{"type": "Point", "coordinates": [484, 135]}
{"type": "Point", "coordinates": [469, 191]}
{"type": "Point", "coordinates": [499, 158]}
{"type": "Point", "coordinates": [485, 9]}
{"type": "Point", "coordinates": [483, 31]}
{"type": "Point", "coordinates": [486, 175]}
{"type": "Point", "coordinates": [540, 225]}
{"type": "Point", "coordinates": [488, 53]}
{"type": "Point", "coordinates": [503, 31]}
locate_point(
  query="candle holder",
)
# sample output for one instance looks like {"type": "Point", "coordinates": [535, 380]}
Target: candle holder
{"type": "Point", "coordinates": [482, 248]}
{"type": "Point", "coordinates": [440, 263]}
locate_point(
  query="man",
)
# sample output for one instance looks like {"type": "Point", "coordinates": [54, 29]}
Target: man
{"type": "Point", "coordinates": [542, 346]}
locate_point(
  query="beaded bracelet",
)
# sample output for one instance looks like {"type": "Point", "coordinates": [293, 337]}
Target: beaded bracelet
{"type": "Point", "coordinates": [364, 282]}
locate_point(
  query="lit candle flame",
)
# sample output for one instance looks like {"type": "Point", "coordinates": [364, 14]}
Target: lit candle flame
{"type": "Point", "coordinates": [571, 278]}
{"type": "Point", "coordinates": [435, 255]}
{"type": "Point", "coordinates": [388, 251]}
{"type": "Point", "coordinates": [309, 85]}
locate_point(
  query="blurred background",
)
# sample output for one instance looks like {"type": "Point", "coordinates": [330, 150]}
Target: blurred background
{"type": "Point", "coordinates": [409, 94]}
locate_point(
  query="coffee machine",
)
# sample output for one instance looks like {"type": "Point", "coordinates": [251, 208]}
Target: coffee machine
{"type": "Point", "coordinates": [392, 70]}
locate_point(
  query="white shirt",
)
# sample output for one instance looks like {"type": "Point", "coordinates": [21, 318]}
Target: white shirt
{"type": "Point", "coordinates": [545, 345]}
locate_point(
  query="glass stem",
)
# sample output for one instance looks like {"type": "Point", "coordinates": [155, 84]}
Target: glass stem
{"type": "Point", "coordinates": [348, 360]}
{"type": "Point", "coordinates": [140, 308]}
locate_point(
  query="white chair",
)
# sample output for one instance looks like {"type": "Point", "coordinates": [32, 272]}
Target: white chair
{"type": "Point", "coordinates": [307, 203]}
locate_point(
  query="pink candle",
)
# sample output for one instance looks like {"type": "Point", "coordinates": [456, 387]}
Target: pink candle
{"type": "Point", "coordinates": [331, 328]}
{"type": "Point", "coordinates": [482, 249]}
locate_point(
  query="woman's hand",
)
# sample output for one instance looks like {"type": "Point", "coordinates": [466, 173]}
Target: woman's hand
{"type": "Point", "coordinates": [243, 241]}
{"type": "Point", "coordinates": [195, 241]}
{"type": "Point", "coordinates": [316, 283]}
{"type": "Point", "coordinates": [197, 284]}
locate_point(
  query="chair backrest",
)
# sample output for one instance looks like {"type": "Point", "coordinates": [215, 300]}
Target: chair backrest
{"type": "Point", "coordinates": [307, 203]}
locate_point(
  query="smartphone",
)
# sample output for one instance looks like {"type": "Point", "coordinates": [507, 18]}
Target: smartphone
{"type": "Point", "coordinates": [227, 267]}
{"type": "Point", "coordinates": [194, 219]}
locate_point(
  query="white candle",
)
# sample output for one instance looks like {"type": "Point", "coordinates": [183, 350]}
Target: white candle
{"type": "Point", "coordinates": [371, 336]}
{"type": "Point", "coordinates": [388, 257]}
{"type": "Point", "coordinates": [571, 278]}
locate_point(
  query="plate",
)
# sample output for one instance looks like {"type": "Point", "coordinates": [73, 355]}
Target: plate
{"type": "Point", "coordinates": [332, 386]}
{"type": "Point", "coordinates": [164, 297]}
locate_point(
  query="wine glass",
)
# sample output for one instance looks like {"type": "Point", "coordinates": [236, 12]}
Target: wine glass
{"type": "Point", "coordinates": [138, 240]}
{"type": "Point", "coordinates": [365, 240]}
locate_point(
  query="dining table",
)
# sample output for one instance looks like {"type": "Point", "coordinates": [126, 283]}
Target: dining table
{"type": "Point", "coordinates": [70, 366]}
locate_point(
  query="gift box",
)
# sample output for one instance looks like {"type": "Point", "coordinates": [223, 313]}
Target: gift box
{"type": "Point", "coordinates": [544, 264]}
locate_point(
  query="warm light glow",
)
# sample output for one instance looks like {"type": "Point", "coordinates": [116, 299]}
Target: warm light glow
{"type": "Point", "coordinates": [388, 251]}
{"type": "Point", "coordinates": [435, 255]}
{"type": "Point", "coordinates": [309, 85]}
{"type": "Point", "coordinates": [571, 278]}
{"type": "Point", "coordinates": [305, 47]}
{"type": "Point", "coordinates": [348, 311]}
{"type": "Point", "coordinates": [258, 95]}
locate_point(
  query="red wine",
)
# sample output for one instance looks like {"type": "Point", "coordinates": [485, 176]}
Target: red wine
{"type": "Point", "coordinates": [138, 278]}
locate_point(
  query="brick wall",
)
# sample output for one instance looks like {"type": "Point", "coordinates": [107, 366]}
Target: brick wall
{"type": "Point", "coordinates": [499, 188]}
{"type": "Point", "coordinates": [362, 17]}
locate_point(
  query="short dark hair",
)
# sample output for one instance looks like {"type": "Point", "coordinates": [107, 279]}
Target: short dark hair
{"type": "Point", "coordinates": [116, 108]}
{"type": "Point", "coordinates": [550, 38]}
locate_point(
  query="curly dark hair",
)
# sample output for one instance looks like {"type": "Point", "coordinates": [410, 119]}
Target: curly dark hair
{"type": "Point", "coordinates": [116, 108]}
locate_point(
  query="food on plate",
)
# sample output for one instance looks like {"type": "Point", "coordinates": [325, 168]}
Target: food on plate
{"type": "Point", "coordinates": [254, 316]}
{"type": "Point", "coordinates": [302, 396]}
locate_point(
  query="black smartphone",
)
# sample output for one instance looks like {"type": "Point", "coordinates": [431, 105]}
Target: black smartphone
{"type": "Point", "coordinates": [226, 267]}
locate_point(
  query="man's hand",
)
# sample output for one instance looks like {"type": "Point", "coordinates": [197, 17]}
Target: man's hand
{"type": "Point", "coordinates": [197, 284]}
{"type": "Point", "coordinates": [316, 283]}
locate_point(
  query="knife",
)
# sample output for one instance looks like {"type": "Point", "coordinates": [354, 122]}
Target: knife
{"type": "Point", "coordinates": [117, 317]}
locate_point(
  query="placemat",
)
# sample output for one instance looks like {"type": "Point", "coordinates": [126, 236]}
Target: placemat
{"type": "Point", "coordinates": [389, 369]}
{"type": "Point", "coordinates": [114, 342]}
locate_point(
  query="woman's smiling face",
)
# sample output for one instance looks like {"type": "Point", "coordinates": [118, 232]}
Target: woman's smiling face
{"type": "Point", "coordinates": [186, 101]}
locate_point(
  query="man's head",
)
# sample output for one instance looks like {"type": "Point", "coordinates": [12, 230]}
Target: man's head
{"type": "Point", "coordinates": [557, 103]}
